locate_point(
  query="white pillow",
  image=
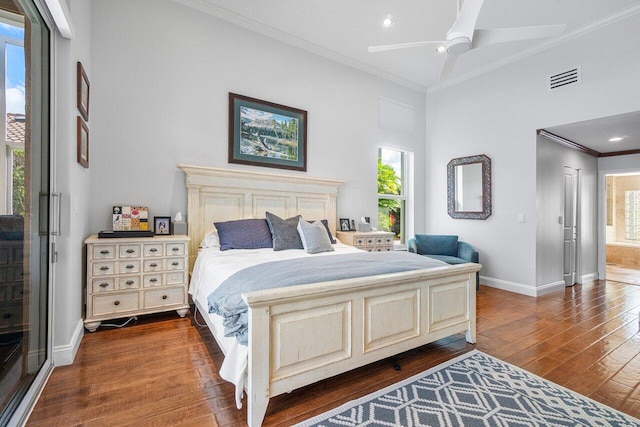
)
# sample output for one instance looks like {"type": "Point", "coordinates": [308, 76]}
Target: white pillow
{"type": "Point", "coordinates": [210, 240]}
{"type": "Point", "coordinates": [314, 237]}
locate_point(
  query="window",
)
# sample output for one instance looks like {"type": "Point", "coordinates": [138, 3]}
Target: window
{"type": "Point", "coordinates": [393, 179]}
{"type": "Point", "coordinates": [632, 214]}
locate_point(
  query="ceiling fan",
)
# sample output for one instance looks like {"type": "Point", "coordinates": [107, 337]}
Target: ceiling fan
{"type": "Point", "coordinates": [463, 36]}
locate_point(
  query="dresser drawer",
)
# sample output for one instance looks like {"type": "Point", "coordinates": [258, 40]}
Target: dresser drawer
{"type": "Point", "coordinates": [175, 249]}
{"type": "Point", "coordinates": [104, 268]}
{"type": "Point", "coordinates": [125, 283]}
{"type": "Point", "coordinates": [104, 252]}
{"type": "Point", "coordinates": [164, 297]}
{"type": "Point", "coordinates": [152, 265]}
{"type": "Point", "coordinates": [131, 266]}
{"type": "Point", "coordinates": [151, 280]}
{"type": "Point", "coordinates": [114, 303]}
{"type": "Point", "coordinates": [175, 278]}
{"type": "Point", "coordinates": [174, 264]}
{"type": "Point", "coordinates": [10, 315]}
{"type": "Point", "coordinates": [153, 249]}
{"type": "Point", "coordinates": [104, 284]}
{"type": "Point", "coordinates": [129, 251]}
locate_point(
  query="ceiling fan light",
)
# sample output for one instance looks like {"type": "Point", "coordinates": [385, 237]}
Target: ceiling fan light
{"type": "Point", "coordinates": [616, 139]}
{"type": "Point", "coordinates": [387, 21]}
{"type": "Point", "coordinates": [440, 49]}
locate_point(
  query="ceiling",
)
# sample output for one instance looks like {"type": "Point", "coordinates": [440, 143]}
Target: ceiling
{"type": "Point", "coordinates": [342, 30]}
{"type": "Point", "coordinates": [595, 134]}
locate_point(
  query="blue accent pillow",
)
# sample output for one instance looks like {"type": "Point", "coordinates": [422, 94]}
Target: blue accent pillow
{"type": "Point", "coordinates": [437, 244]}
{"type": "Point", "coordinates": [314, 237]}
{"type": "Point", "coordinates": [326, 226]}
{"type": "Point", "coordinates": [284, 232]}
{"type": "Point", "coordinates": [244, 234]}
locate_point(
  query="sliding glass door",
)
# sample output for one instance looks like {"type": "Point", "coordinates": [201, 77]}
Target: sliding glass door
{"type": "Point", "coordinates": [24, 204]}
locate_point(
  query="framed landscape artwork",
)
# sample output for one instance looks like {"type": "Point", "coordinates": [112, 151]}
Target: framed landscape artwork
{"type": "Point", "coordinates": [262, 133]}
{"type": "Point", "coordinates": [83, 143]}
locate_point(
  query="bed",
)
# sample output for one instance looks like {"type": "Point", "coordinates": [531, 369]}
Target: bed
{"type": "Point", "coordinates": [290, 344]}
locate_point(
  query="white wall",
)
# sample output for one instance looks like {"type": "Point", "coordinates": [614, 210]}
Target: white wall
{"type": "Point", "coordinates": [159, 97]}
{"type": "Point", "coordinates": [497, 114]}
{"type": "Point", "coordinates": [72, 181]}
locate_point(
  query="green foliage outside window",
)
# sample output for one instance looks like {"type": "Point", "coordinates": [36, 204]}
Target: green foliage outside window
{"type": "Point", "coordinates": [388, 209]}
{"type": "Point", "coordinates": [18, 182]}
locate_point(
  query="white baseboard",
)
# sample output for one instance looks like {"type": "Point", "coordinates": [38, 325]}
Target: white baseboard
{"type": "Point", "coordinates": [64, 354]}
{"type": "Point", "coordinates": [519, 288]}
{"type": "Point", "coordinates": [589, 278]}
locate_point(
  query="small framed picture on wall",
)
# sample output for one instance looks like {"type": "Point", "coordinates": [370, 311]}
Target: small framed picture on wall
{"type": "Point", "coordinates": [162, 225]}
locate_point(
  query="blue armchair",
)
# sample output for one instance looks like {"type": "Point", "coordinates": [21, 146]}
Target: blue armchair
{"type": "Point", "coordinates": [445, 248]}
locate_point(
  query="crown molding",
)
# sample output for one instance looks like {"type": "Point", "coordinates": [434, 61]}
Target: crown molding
{"type": "Point", "coordinates": [578, 32]}
{"type": "Point", "coordinates": [255, 26]}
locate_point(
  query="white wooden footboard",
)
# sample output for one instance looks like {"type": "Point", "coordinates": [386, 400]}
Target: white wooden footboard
{"type": "Point", "coordinates": [300, 335]}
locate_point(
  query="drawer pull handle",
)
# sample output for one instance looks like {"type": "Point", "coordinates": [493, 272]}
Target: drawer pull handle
{"type": "Point", "coordinates": [129, 282]}
{"type": "Point", "coordinates": [104, 252]}
{"type": "Point", "coordinates": [164, 297]}
{"type": "Point", "coordinates": [154, 280]}
{"type": "Point", "coordinates": [130, 266]}
{"type": "Point", "coordinates": [116, 303]}
{"type": "Point", "coordinates": [153, 250]}
{"type": "Point", "coordinates": [104, 284]}
{"type": "Point", "coordinates": [175, 263]}
{"type": "Point", "coordinates": [130, 251]}
{"type": "Point", "coordinates": [104, 268]}
{"type": "Point", "coordinates": [153, 265]}
{"type": "Point", "coordinates": [7, 315]}
{"type": "Point", "coordinates": [175, 249]}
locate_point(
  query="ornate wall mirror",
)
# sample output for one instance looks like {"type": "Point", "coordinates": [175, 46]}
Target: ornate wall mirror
{"type": "Point", "coordinates": [469, 187]}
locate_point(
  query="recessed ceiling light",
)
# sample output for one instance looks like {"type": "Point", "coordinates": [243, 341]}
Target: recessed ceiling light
{"type": "Point", "coordinates": [387, 21]}
{"type": "Point", "coordinates": [440, 49]}
{"type": "Point", "coordinates": [616, 139]}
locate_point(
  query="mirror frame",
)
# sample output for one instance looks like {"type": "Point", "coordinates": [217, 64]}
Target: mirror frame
{"type": "Point", "coordinates": [486, 187]}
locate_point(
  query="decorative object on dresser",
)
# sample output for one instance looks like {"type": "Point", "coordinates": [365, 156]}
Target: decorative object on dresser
{"type": "Point", "coordinates": [130, 218]}
{"type": "Point", "coordinates": [263, 133]}
{"type": "Point", "coordinates": [372, 241]}
{"type": "Point", "coordinates": [345, 224]}
{"type": "Point", "coordinates": [132, 276]}
{"type": "Point", "coordinates": [162, 225]}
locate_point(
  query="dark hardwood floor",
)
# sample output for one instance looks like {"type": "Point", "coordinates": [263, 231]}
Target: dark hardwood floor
{"type": "Point", "coordinates": [163, 370]}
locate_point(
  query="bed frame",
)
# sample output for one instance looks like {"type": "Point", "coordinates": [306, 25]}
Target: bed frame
{"type": "Point", "coordinates": [302, 334]}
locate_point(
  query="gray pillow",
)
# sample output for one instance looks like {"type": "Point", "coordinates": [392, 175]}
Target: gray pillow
{"type": "Point", "coordinates": [244, 234]}
{"type": "Point", "coordinates": [314, 237]}
{"type": "Point", "coordinates": [284, 232]}
{"type": "Point", "coordinates": [326, 226]}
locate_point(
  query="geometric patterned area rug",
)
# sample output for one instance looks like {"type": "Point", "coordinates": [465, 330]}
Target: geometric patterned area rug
{"type": "Point", "coordinates": [474, 389]}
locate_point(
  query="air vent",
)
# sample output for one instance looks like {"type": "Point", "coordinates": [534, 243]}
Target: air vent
{"type": "Point", "coordinates": [566, 78]}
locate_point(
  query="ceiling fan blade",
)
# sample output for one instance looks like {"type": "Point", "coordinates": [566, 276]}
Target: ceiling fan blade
{"type": "Point", "coordinates": [502, 35]}
{"type": "Point", "coordinates": [465, 23]}
{"type": "Point", "coordinates": [447, 66]}
{"type": "Point", "coordinates": [383, 48]}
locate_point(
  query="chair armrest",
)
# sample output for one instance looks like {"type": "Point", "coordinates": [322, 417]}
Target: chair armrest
{"type": "Point", "coordinates": [467, 252]}
{"type": "Point", "coordinates": [411, 246]}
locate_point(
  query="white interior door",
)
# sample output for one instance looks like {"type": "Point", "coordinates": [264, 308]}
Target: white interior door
{"type": "Point", "coordinates": [570, 224]}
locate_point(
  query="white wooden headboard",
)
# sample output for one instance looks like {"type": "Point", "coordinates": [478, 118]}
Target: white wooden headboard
{"type": "Point", "coordinates": [216, 194]}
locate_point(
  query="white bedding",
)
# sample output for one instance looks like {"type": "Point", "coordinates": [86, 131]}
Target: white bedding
{"type": "Point", "coordinates": [211, 268]}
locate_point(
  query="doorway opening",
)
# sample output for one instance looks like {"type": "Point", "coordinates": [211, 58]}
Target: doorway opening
{"type": "Point", "coordinates": [622, 248]}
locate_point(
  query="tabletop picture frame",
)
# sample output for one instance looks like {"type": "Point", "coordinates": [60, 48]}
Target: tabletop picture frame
{"type": "Point", "coordinates": [162, 225]}
{"type": "Point", "coordinates": [263, 133]}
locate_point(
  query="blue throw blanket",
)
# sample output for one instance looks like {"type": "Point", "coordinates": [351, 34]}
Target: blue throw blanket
{"type": "Point", "coordinates": [227, 301]}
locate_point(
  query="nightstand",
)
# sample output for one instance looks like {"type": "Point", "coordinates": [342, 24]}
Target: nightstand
{"type": "Point", "coordinates": [132, 276]}
{"type": "Point", "coordinates": [371, 241]}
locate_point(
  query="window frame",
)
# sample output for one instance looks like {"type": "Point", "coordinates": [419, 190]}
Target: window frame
{"type": "Point", "coordinates": [405, 196]}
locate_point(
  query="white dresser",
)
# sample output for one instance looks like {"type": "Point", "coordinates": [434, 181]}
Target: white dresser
{"type": "Point", "coordinates": [132, 276]}
{"type": "Point", "coordinates": [372, 241]}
